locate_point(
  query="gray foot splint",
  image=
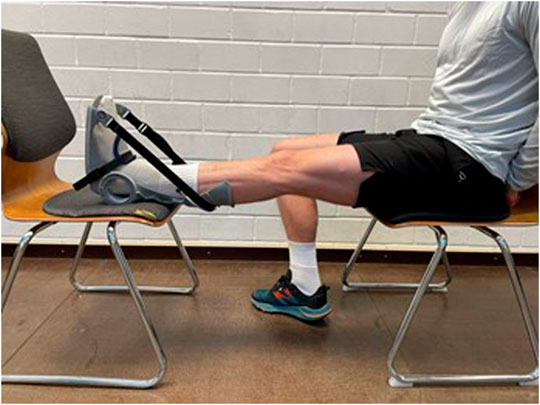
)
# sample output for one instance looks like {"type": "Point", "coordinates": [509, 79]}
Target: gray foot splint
{"type": "Point", "coordinates": [122, 170]}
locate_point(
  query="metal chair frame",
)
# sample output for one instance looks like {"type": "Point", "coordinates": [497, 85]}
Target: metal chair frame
{"type": "Point", "coordinates": [441, 287]}
{"type": "Point", "coordinates": [397, 379]}
{"type": "Point", "coordinates": [130, 287]}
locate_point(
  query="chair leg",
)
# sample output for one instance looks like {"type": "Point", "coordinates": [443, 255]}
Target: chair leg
{"type": "Point", "coordinates": [371, 286]}
{"type": "Point", "coordinates": [17, 257]}
{"type": "Point", "coordinates": [352, 260]}
{"type": "Point", "coordinates": [399, 380]}
{"type": "Point", "coordinates": [144, 288]}
{"type": "Point", "coordinates": [520, 296]}
{"type": "Point", "coordinates": [105, 381]}
{"type": "Point", "coordinates": [80, 250]}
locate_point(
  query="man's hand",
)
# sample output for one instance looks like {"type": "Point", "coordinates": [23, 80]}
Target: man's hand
{"type": "Point", "coordinates": [512, 197]}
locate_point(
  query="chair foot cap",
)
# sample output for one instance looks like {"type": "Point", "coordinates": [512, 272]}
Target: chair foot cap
{"type": "Point", "coordinates": [395, 383]}
{"type": "Point", "coordinates": [532, 383]}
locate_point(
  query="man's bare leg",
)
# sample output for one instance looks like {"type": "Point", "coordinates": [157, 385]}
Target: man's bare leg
{"type": "Point", "coordinates": [331, 174]}
{"type": "Point", "coordinates": [300, 219]}
{"type": "Point", "coordinates": [299, 214]}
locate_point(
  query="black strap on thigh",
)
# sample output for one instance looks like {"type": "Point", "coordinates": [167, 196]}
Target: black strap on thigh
{"type": "Point", "coordinates": [152, 135]}
{"type": "Point", "coordinates": [111, 123]}
{"type": "Point", "coordinates": [101, 171]}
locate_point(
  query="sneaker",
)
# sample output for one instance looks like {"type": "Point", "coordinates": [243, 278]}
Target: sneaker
{"type": "Point", "coordinates": [285, 298]}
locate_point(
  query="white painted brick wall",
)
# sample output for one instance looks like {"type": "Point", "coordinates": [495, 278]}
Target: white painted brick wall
{"type": "Point", "coordinates": [379, 91]}
{"type": "Point", "coordinates": [200, 23]}
{"type": "Point", "coordinates": [230, 57]}
{"type": "Point", "coordinates": [114, 53]}
{"type": "Point", "coordinates": [201, 86]}
{"type": "Point", "coordinates": [350, 60]}
{"type": "Point", "coordinates": [138, 21]}
{"type": "Point", "coordinates": [290, 58]}
{"type": "Point", "coordinates": [323, 27]}
{"type": "Point", "coordinates": [165, 54]}
{"type": "Point", "coordinates": [319, 90]}
{"type": "Point", "coordinates": [385, 29]}
{"type": "Point", "coordinates": [262, 25]}
{"type": "Point", "coordinates": [72, 18]}
{"type": "Point", "coordinates": [224, 80]}
{"type": "Point", "coordinates": [260, 88]}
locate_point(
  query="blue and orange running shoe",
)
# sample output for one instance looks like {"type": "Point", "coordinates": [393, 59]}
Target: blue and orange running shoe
{"type": "Point", "coordinates": [285, 298]}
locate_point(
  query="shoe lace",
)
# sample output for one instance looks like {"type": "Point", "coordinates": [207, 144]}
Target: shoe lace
{"type": "Point", "coordinates": [280, 283]}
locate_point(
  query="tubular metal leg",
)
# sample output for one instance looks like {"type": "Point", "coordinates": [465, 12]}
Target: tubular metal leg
{"type": "Point", "coordinates": [520, 296]}
{"type": "Point", "coordinates": [399, 380]}
{"type": "Point", "coordinates": [189, 264]}
{"type": "Point", "coordinates": [144, 288]}
{"type": "Point", "coordinates": [105, 381]}
{"type": "Point", "coordinates": [73, 272]}
{"type": "Point", "coordinates": [17, 257]}
{"type": "Point", "coordinates": [371, 286]}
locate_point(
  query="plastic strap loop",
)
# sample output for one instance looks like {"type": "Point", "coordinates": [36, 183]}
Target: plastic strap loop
{"type": "Point", "coordinates": [152, 135]}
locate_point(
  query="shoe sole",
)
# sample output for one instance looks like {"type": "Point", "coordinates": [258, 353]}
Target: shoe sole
{"type": "Point", "coordinates": [303, 313]}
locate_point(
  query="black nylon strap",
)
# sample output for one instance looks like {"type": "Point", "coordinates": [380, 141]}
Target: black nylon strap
{"type": "Point", "coordinates": [101, 171]}
{"type": "Point", "coordinates": [158, 164]}
{"type": "Point", "coordinates": [154, 137]}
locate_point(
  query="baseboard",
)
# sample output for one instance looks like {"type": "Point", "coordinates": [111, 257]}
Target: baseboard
{"type": "Point", "coordinates": [267, 254]}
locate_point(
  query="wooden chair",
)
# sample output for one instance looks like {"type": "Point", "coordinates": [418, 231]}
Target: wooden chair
{"type": "Point", "coordinates": [524, 214]}
{"type": "Point", "coordinates": [37, 124]}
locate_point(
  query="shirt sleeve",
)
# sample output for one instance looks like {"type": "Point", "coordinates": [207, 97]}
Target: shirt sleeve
{"type": "Point", "coordinates": [523, 172]}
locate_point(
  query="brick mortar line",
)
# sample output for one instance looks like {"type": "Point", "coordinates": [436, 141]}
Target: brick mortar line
{"type": "Point", "coordinates": [229, 74]}
{"type": "Point", "coordinates": [263, 8]}
{"type": "Point", "coordinates": [228, 41]}
{"type": "Point", "coordinates": [269, 104]}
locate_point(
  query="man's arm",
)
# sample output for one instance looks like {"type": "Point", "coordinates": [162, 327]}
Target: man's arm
{"type": "Point", "coordinates": [523, 172]}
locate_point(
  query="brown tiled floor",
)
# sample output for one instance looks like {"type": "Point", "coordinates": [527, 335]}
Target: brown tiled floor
{"type": "Point", "coordinates": [222, 350]}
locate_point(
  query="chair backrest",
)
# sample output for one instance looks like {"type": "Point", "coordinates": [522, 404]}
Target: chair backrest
{"type": "Point", "coordinates": [37, 119]}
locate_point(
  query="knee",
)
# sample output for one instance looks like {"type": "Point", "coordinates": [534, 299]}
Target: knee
{"type": "Point", "coordinates": [282, 160]}
{"type": "Point", "coordinates": [281, 166]}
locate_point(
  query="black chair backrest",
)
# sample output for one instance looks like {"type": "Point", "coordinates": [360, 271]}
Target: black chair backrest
{"type": "Point", "coordinates": [35, 114]}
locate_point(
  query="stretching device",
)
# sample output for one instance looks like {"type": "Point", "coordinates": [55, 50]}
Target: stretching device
{"type": "Point", "coordinates": [122, 170]}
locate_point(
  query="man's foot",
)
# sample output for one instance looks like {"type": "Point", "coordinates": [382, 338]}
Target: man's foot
{"type": "Point", "coordinates": [285, 298]}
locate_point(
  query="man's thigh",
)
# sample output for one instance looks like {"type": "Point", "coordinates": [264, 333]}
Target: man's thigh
{"type": "Point", "coordinates": [307, 142]}
{"type": "Point", "coordinates": [332, 173]}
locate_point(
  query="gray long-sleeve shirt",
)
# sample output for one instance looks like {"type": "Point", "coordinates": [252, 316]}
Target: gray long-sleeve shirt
{"type": "Point", "coordinates": [484, 96]}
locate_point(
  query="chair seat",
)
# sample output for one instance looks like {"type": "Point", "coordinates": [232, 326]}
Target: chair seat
{"type": "Point", "coordinates": [86, 203]}
{"type": "Point", "coordinates": [525, 213]}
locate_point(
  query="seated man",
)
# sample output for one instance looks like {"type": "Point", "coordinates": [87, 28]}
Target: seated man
{"type": "Point", "coordinates": [472, 150]}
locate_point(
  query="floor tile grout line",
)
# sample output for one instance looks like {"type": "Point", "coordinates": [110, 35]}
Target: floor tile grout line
{"type": "Point", "coordinates": [392, 337]}
{"type": "Point", "coordinates": [389, 330]}
{"type": "Point", "coordinates": [37, 328]}
{"type": "Point", "coordinates": [55, 309]}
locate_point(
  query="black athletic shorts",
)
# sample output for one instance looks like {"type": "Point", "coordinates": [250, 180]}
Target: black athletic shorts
{"type": "Point", "coordinates": [424, 174]}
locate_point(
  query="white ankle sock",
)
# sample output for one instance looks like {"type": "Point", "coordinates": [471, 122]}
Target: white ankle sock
{"type": "Point", "coordinates": [303, 265]}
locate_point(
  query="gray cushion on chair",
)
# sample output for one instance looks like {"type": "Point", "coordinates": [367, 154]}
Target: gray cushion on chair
{"type": "Point", "coordinates": [86, 203]}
